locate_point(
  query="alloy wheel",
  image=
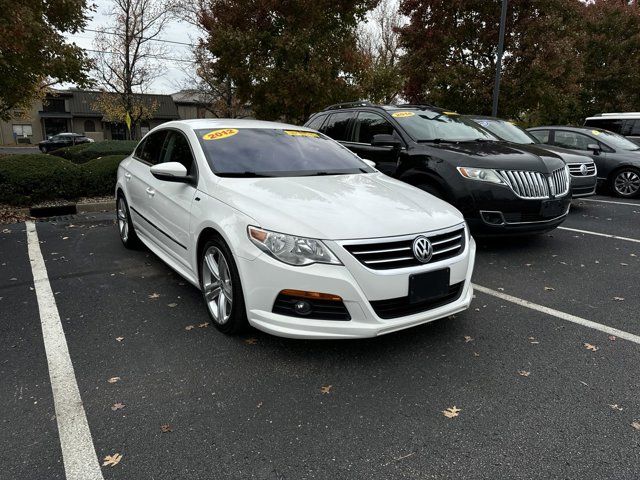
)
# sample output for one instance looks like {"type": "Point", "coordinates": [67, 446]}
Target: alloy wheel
{"type": "Point", "coordinates": [627, 183]}
{"type": "Point", "coordinates": [123, 220]}
{"type": "Point", "coordinates": [217, 285]}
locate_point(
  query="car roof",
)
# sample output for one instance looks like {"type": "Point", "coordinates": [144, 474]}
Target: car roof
{"type": "Point", "coordinates": [621, 115]}
{"type": "Point", "coordinates": [204, 123]}
{"type": "Point", "coordinates": [357, 106]}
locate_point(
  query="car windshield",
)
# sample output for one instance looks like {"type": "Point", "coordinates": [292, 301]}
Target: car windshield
{"type": "Point", "coordinates": [617, 142]}
{"type": "Point", "coordinates": [250, 152]}
{"type": "Point", "coordinates": [507, 131]}
{"type": "Point", "coordinates": [431, 126]}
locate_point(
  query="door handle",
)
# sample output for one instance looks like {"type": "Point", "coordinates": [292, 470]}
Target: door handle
{"type": "Point", "coordinates": [150, 191]}
{"type": "Point", "coordinates": [127, 176]}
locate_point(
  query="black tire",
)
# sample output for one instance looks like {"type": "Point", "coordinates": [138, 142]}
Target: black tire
{"type": "Point", "coordinates": [625, 182]}
{"type": "Point", "coordinates": [125, 225]}
{"type": "Point", "coordinates": [236, 322]}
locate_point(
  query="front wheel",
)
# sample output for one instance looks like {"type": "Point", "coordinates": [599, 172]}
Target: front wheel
{"type": "Point", "coordinates": [626, 183]}
{"type": "Point", "coordinates": [125, 226]}
{"type": "Point", "coordinates": [221, 288]}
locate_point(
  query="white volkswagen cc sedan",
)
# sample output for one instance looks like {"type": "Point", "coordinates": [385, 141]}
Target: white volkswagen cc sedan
{"type": "Point", "coordinates": [284, 229]}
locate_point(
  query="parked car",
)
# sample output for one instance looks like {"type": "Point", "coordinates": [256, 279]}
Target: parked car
{"type": "Point", "coordinates": [582, 169]}
{"type": "Point", "coordinates": [627, 124]}
{"type": "Point", "coordinates": [500, 188]}
{"type": "Point", "coordinates": [285, 229]}
{"type": "Point", "coordinates": [62, 140]}
{"type": "Point", "coordinates": [617, 159]}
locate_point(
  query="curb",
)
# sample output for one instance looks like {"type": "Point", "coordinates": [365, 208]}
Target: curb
{"type": "Point", "coordinates": [68, 209]}
{"type": "Point", "coordinates": [96, 206]}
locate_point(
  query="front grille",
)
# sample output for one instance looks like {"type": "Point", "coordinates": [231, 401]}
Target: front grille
{"type": "Point", "coordinates": [536, 185]}
{"type": "Point", "coordinates": [399, 254]}
{"type": "Point", "coordinates": [401, 307]}
{"type": "Point", "coordinates": [320, 309]}
{"type": "Point", "coordinates": [575, 169]}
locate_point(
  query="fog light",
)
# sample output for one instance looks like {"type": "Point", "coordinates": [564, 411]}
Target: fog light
{"type": "Point", "coordinates": [302, 308]}
{"type": "Point", "coordinates": [492, 218]}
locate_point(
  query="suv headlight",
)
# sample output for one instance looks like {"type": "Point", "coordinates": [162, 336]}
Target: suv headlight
{"type": "Point", "coordinates": [291, 249]}
{"type": "Point", "coordinates": [481, 174]}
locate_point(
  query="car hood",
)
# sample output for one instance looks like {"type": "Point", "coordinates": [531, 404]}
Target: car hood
{"type": "Point", "coordinates": [497, 155]}
{"type": "Point", "coordinates": [337, 207]}
{"type": "Point", "coordinates": [569, 156]}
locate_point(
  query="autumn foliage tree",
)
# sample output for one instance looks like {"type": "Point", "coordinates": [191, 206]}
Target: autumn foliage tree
{"type": "Point", "coordinates": [33, 51]}
{"type": "Point", "coordinates": [286, 59]}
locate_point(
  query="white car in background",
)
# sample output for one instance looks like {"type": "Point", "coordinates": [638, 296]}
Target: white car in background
{"type": "Point", "coordinates": [284, 229]}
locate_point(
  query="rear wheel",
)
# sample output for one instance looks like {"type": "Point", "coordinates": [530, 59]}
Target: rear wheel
{"type": "Point", "coordinates": [626, 182]}
{"type": "Point", "coordinates": [221, 287]}
{"type": "Point", "coordinates": [125, 226]}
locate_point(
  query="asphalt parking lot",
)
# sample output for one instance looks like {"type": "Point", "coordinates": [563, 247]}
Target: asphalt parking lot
{"type": "Point", "coordinates": [541, 393]}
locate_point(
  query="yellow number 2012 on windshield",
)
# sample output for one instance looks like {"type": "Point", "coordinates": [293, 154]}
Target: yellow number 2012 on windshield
{"type": "Point", "coordinates": [220, 134]}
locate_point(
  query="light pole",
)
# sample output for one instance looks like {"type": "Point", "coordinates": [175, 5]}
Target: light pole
{"type": "Point", "coordinates": [496, 85]}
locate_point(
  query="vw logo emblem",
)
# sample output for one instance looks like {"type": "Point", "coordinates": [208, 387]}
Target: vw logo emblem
{"type": "Point", "coordinates": [583, 169]}
{"type": "Point", "coordinates": [422, 249]}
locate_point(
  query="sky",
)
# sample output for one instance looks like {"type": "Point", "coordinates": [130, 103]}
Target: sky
{"type": "Point", "coordinates": [172, 78]}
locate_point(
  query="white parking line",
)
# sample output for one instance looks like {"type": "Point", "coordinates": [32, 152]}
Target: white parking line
{"type": "Point", "coordinates": [588, 232]}
{"type": "Point", "coordinates": [606, 201]}
{"type": "Point", "coordinates": [561, 315]}
{"type": "Point", "coordinates": [78, 453]}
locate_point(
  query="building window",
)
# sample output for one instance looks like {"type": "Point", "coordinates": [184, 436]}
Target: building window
{"type": "Point", "coordinates": [144, 128]}
{"type": "Point", "coordinates": [22, 131]}
{"type": "Point", "coordinates": [54, 105]}
{"type": "Point", "coordinates": [89, 126]}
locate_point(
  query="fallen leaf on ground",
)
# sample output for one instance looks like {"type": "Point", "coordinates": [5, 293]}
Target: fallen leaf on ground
{"type": "Point", "coordinates": [259, 405]}
{"type": "Point", "coordinates": [523, 373]}
{"type": "Point", "coordinates": [117, 406]}
{"type": "Point", "coordinates": [636, 425]}
{"type": "Point", "coordinates": [111, 460]}
{"type": "Point", "coordinates": [172, 305]}
{"type": "Point", "coordinates": [166, 428]}
{"type": "Point", "coordinates": [615, 406]}
{"type": "Point", "coordinates": [618, 299]}
{"type": "Point", "coordinates": [588, 346]}
{"type": "Point", "coordinates": [203, 325]}
{"type": "Point", "coordinates": [468, 339]}
{"type": "Point", "coordinates": [501, 289]}
{"type": "Point", "coordinates": [624, 264]}
{"type": "Point", "coordinates": [325, 389]}
{"type": "Point", "coordinates": [154, 295]}
{"type": "Point", "coordinates": [251, 341]}
{"type": "Point", "coordinates": [549, 289]}
{"type": "Point", "coordinates": [612, 338]}
{"type": "Point", "coordinates": [189, 327]}
{"type": "Point", "coordinates": [65, 238]}
{"type": "Point", "coordinates": [113, 379]}
{"type": "Point", "coordinates": [119, 339]}
{"type": "Point", "coordinates": [476, 354]}
{"type": "Point", "coordinates": [451, 412]}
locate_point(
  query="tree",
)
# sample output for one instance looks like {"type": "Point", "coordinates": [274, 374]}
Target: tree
{"type": "Point", "coordinates": [34, 53]}
{"type": "Point", "coordinates": [611, 57]}
{"type": "Point", "coordinates": [380, 79]}
{"type": "Point", "coordinates": [286, 59]}
{"type": "Point", "coordinates": [129, 59]}
{"type": "Point", "coordinates": [451, 52]}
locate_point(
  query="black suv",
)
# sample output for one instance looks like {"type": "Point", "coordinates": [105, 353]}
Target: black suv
{"type": "Point", "coordinates": [500, 188]}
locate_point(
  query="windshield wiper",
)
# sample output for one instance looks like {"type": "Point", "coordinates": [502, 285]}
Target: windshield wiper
{"type": "Point", "coordinates": [243, 174]}
{"type": "Point", "coordinates": [433, 140]}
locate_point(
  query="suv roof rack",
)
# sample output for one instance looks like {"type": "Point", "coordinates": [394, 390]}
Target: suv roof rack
{"type": "Point", "coordinates": [414, 105]}
{"type": "Point", "coordinates": [338, 106]}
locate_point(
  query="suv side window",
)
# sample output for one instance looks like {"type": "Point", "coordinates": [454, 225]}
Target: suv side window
{"type": "Point", "coordinates": [177, 149]}
{"type": "Point", "coordinates": [611, 124]}
{"type": "Point", "coordinates": [337, 125]}
{"type": "Point", "coordinates": [572, 140]}
{"type": "Point", "coordinates": [317, 122]}
{"type": "Point", "coordinates": [541, 135]}
{"type": "Point", "coordinates": [152, 147]}
{"type": "Point", "coordinates": [368, 124]}
{"type": "Point", "coordinates": [631, 127]}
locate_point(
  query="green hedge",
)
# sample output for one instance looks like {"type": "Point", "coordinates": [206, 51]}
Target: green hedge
{"type": "Point", "coordinates": [32, 178]}
{"type": "Point", "coordinates": [88, 151]}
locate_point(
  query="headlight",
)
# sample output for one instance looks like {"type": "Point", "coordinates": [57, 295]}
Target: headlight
{"type": "Point", "coordinates": [482, 174]}
{"type": "Point", "coordinates": [291, 249]}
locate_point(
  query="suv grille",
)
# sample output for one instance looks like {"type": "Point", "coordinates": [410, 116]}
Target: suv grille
{"type": "Point", "coordinates": [399, 254]}
{"type": "Point", "coordinates": [575, 169]}
{"type": "Point", "coordinates": [536, 185]}
{"type": "Point", "coordinates": [401, 307]}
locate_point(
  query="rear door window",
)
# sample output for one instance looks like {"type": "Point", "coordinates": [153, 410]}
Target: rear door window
{"type": "Point", "coordinates": [337, 126]}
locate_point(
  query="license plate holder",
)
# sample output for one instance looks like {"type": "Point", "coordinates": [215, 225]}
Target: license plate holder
{"type": "Point", "coordinates": [429, 285]}
{"type": "Point", "coordinates": [552, 208]}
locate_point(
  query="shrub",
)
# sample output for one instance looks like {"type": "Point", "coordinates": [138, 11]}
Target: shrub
{"type": "Point", "coordinates": [99, 175]}
{"type": "Point", "coordinates": [88, 151]}
{"type": "Point", "coordinates": [31, 178]}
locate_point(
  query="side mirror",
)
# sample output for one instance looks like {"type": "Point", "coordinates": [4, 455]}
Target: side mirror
{"type": "Point", "coordinates": [371, 163]}
{"type": "Point", "coordinates": [595, 148]}
{"type": "Point", "coordinates": [386, 140]}
{"type": "Point", "coordinates": [170, 172]}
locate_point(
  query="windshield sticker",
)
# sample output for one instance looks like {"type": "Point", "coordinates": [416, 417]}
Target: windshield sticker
{"type": "Point", "coordinates": [220, 134]}
{"type": "Point", "coordinates": [595, 132]}
{"type": "Point", "coordinates": [451, 113]}
{"type": "Point", "coordinates": [484, 123]}
{"type": "Point", "coordinates": [402, 114]}
{"type": "Point", "coordinates": [300, 133]}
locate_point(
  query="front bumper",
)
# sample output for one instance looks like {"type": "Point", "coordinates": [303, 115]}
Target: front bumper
{"type": "Point", "coordinates": [263, 278]}
{"type": "Point", "coordinates": [583, 186]}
